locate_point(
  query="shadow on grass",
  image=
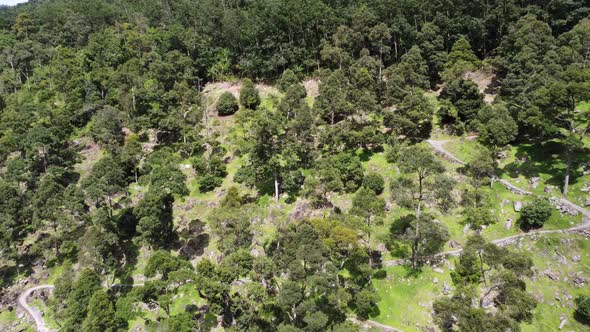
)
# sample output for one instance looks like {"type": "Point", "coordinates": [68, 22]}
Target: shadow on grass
{"type": "Point", "coordinates": [535, 159]}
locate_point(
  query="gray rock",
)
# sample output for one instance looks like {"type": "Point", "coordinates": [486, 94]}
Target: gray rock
{"type": "Point", "coordinates": [548, 189]}
{"type": "Point", "coordinates": [551, 275]}
{"type": "Point", "coordinates": [435, 280]}
{"type": "Point", "coordinates": [587, 202]}
{"type": "Point", "coordinates": [535, 181]}
{"type": "Point", "coordinates": [576, 258]}
{"type": "Point", "coordinates": [446, 289]}
{"type": "Point", "coordinates": [508, 223]}
{"type": "Point", "coordinates": [517, 206]}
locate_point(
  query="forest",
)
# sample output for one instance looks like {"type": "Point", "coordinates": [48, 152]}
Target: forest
{"type": "Point", "coordinates": [295, 165]}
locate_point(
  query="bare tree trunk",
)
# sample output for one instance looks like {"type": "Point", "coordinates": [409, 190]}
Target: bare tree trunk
{"type": "Point", "coordinates": [276, 189]}
{"type": "Point", "coordinates": [568, 166]}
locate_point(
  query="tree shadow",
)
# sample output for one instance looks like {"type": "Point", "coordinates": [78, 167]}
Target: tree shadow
{"type": "Point", "coordinates": [549, 158]}
{"type": "Point", "coordinates": [581, 319]}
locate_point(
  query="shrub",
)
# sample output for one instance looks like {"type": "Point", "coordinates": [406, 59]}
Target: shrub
{"type": "Point", "coordinates": [249, 97]}
{"type": "Point", "coordinates": [583, 309]}
{"type": "Point", "coordinates": [535, 214]}
{"type": "Point", "coordinates": [287, 79]}
{"type": "Point", "coordinates": [375, 182]}
{"type": "Point", "coordinates": [227, 104]}
{"type": "Point", "coordinates": [209, 182]}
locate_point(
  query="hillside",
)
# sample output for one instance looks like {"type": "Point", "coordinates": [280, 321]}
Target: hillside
{"type": "Point", "coordinates": [294, 166]}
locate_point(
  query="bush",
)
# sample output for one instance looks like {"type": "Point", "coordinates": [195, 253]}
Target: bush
{"type": "Point", "coordinates": [535, 214]}
{"type": "Point", "coordinates": [249, 97]}
{"type": "Point", "coordinates": [227, 104]}
{"type": "Point", "coordinates": [287, 79]}
{"type": "Point", "coordinates": [583, 309]}
{"type": "Point", "coordinates": [209, 182]}
{"type": "Point", "coordinates": [375, 182]}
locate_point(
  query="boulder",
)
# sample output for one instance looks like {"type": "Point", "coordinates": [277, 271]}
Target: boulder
{"type": "Point", "coordinates": [548, 189]}
{"type": "Point", "coordinates": [587, 202]}
{"type": "Point", "coordinates": [508, 223]}
{"type": "Point", "coordinates": [576, 258]}
{"type": "Point", "coordinates": [551, 275]}
{"type": "Point", "coordinates": [517, 206]}
{"type": "Point", "coordinates": [535, 181]}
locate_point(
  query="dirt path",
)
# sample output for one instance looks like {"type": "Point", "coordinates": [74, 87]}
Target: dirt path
{"type": "Point", "coordinates": [33, 312]}
{"type": "Point", "coordinates": [585, 225]}
{"type": "Point", "coordinates": [367, 324]}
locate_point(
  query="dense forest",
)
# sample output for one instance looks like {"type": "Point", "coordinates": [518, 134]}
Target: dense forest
{"type": "Point", "coordinates": [296, 165]}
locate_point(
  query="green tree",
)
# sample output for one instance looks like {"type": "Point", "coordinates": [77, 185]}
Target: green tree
{"type": "Point", "coordinates": [374, 181]}
{"type": "Point", "coordinates": [227, 104]}
{"type": "Point", "coordinates": [460, 60]}
{"type": "Point", "coordinates": [583, 308]}
{"type": "Point", "coordinates": [368, 206]}
{"type": "Point", "coordinates": [412, 118]}
{"type": "Point", "coordinates": [87, 283]}
{"type": "Point", "coordinates": [249, 96]}
{"type": "Point", "coordinates": [288, 78]}
{"type": "Point", "coordinates": [535, 213]}
{"type": "Point", "coordinates": [101, 315]}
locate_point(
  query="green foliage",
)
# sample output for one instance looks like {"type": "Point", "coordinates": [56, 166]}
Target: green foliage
{"type": "Point", "coordinates": [227, 104]}
{"type": "Point", "coordinates": [465, 97]}
{"type": "Point", "coordinates": [497, 127]}
{"type": "Point", "coordinates": [288, 78]}
{"type": "Point", "coordinates": [375, 182]}
{"type": "Point", "coordinates": [249, 96]}
{"type": "Point", "coordinates": [163, 263]}
{"type": "Point", "coordinates": [101, 314]}
{"type": "Point", "coordinates": [583, 308]}
{"type": "Point", "coordinates": [535, 213]}
{"type": "Point", "coordinates": [77, 301]}
{"type": "Point", "coordinates": [412, 118]}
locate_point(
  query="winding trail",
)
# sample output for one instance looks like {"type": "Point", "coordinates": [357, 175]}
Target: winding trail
{"type": "Point", "coordinates": [33, 312]}
{"type": "Point", "coordinates": [438, 147]}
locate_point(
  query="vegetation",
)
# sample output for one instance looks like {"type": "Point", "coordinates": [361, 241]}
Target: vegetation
{"type": "Point", "coordinates": [289, 165]}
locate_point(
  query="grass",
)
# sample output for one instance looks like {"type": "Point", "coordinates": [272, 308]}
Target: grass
{"type": "Point", "coordinates": [7, 318]}
{"type": "Point", "coordinates": [406, 299]}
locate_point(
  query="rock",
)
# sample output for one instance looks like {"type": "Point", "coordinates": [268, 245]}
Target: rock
{"type": "Point", "coordinates": [576, 258]}
{"type": "Point", "coordinates": [551, 275]}
{"type": "Point", "coordinates": [587, 202]}
{"type": "Point", "coordinates": [435, 280]}
{"type": "Point", "coordinates": [556, 296]}
{"type": "Point", "coordinates": [438, 270]}
{"type": "Point", "coordinates": [508, 223]}
{"type": "Point", "coordinates": [446, 289]}
{"type": "Point", "coordinates": [388, 207]}
{"type": "Point", "coordinates": [535, 181]}
{"type": "Point", "coordinates": [453, 244]}
{"type": "Point", "coordinates": [548, 189]}
{"type": "Point", "coordinates": [466, 228]}
{"type": "Point", "coordinates": [562, 321]}
{"type": "Point", "coordinates": [585, 188]}
{"type": "Point", "coordinates": [579, 281]}
{"type": "Point", "coordinates": [502, 155]}
{"type": "Point", "coordinates": [517, 206]}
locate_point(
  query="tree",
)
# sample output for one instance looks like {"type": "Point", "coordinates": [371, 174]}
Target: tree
{"type": "Point", "coordinates": [560, 101]}
{"type": "Point", "coordinates": [424, 235]}
{"type": "Point", "coordinates": [500, 304]}
{"type": "Point", "coordinates": [101, 315]}
{"type": "Point", "coordinates": [163, 263]}
{"type": "Point", "coordinates": [413, 117]}
{"type": "Point", "coordinates": [460, 60]}
{"type": "Point", "coordinates": [249, 96]}
{"type": "Point", "coordinates": [466, 99]}
{"type": "Point", "coordinates": [154, 213]}
{"type": "Point", "coordinates": [535, 213]}
{"type": "Point", "coordinates": [227, 104]}
{"type": "Point", "coordinates": [368, 206]}
{"type": "Point", "coordinates": [87, 283]}
{"type": "Point", "coordinates": [288, 78]}
{"type": "Point", "coordinates": [497, 127]}
{"type": "Point", "coordinates": [374, 181]}
{"type": "Point", "coordinates": [410, 74]}
{"type": "Point", "coordinates": [233, 226]}
{"type": "Point", "coordinates": [105, 181]}
{"type": "Point", "coordinates": [419, 161]}
{"type": "Point", "coordinates": [107, 128]}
